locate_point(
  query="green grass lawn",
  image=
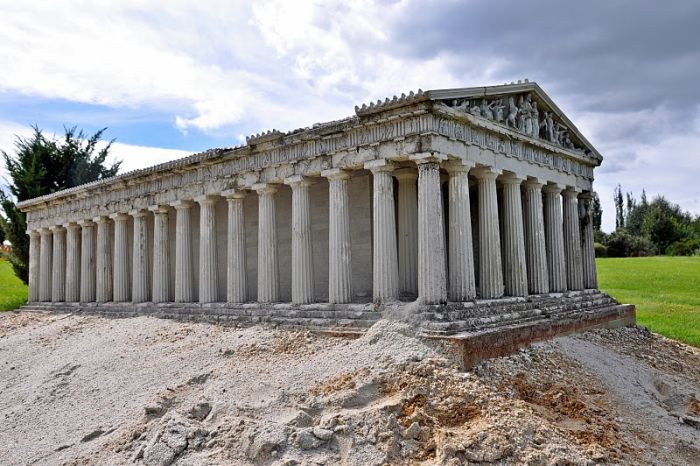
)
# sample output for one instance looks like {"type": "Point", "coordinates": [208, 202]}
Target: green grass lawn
{"type": "Point", "coordinates": [13, 293]}
{"type": "Point", "coordinates": [666, 291]}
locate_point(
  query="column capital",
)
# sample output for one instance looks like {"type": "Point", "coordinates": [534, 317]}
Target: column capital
{"type": "Point", "coordinates": [119, 217]}
{"type": "Point", "coordinates": [381, 165]}
{"type": "Point", "coordinates": [297, 181]}
{"type": "Point", "coordinates": [56, 228]}
{"type": "Point", "coordinates": [234, 193]}
{"type": "Point", "coordinates": [533, 183]}
{"type": "Point", "coordinates": [264, 188]}
{"type": "Point", "coordinates": [553, 188]}
{"type": "Point", "coordinates": [571, 191]}
{"type": "Point", "coordinates": [485, 173]}
{"type": "Point", "coordinates": [138, 213]}
{"type": "Point", "coordinates": [335, 174]}
{"type": "Point", "coordinates": [457, 166]}
{"type": "Point", "coordinates": [45, 231]}
{"type": "Point", "coordinates": [406, 174]}
{"type": "Point", "coordinates": [427, 157]}
{"type": "Point", "coordinates": [71, 225]}
{"type": "Point", "coordinates": [158, 209]}
{"type": "Point", "coordinates": [511, 178]}
{"type": "Point", "coordinates": [86, 223]}
{"type": "Point", "coordinates": [100, 219]}
{"type": "Point", "coordinates": [586, 195]}
{"type": "Point", "coordinates": [34, 232]}
{"type": "Point", "coordinates": [205, 199]}
{"type": "Point", "coordinates": [182, 204]}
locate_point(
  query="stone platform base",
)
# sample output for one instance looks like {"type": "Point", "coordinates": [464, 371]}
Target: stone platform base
{"type": "Point", "coordinates": [477, 330]}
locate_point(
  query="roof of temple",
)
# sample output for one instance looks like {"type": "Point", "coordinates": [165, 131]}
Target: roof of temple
{"type": "Point", "coordinates": [458, 98]}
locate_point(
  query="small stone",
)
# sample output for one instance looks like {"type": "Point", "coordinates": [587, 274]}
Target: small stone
{"type": "Point", "coordinates": [412, 432]}
{"type": "Point", "coordinates": [307, 440]}
{"type": "Point", "coordinates": [323, 434]}
{"type": "Point", "coordinates": [199, 411]}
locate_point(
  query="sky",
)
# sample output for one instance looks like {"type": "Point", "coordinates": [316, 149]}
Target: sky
{"type": "Point", "coordinates": [170, 78]}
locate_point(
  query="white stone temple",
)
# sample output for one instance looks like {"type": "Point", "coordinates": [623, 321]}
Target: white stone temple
{"type": "Point", "coordinates": [447, 197]}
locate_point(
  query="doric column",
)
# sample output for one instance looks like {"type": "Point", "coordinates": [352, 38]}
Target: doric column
{"type": "Point", "coordinates": [554, 235]}
{"type": "Point", "coordinates": [121, 286]}
{"type": "Point", "coordinates": [385, 269]}
{"type": "Point", "coordinates": [339, 246]}
{"type": "Point", "coordinates": [535, 245]}
{"type": "Point", "coordinates": [45, 265]}
{"type": "Point", "coordinates": [432, 280]}
{"type": "Point", "coordinates": [161, 254]}
{"type": "Point", "coordinates": [184, 275]}
{"type": "Point", "coordinates": [490, 268]}
{"type": "Point", "coordinates": [268, 266]}
{"type": "Point", "coordinates": [103, 264]}
{"type": "Point", "coordinates": [58, 265]}
{"type": "Point", "coordinates": [140, 286]}
{"type": "Point", "coordinates": [208, 275]}
{"type": "Point", "coordinates": [461, 251]}
{"type": "Point", "coordinates": [572, 240]}
{"type": "Point", "coordinates": [590, 277]}
{"type": "Point", "coordinates": [514, 265]}
{"type": "Point", "coordinates": [34, 264]}
{"type": "Point", "coordinates": [408, 231]}
{"type": "Point", "coordinates": [87, 262]}
{"type": "Point", "coordinates": [302, 244]}
{"type": "Point", "coordinates": [236, 280]}
{"type": "Point", "coordinates": [73, 250]}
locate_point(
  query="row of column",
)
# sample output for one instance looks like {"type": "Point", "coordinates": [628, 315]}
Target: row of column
{"type": "Point", "coordinates": [537, 249]}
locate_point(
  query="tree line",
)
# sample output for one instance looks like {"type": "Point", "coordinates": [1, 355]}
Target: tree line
{"type": "Point", "coordinates": [648, 228]}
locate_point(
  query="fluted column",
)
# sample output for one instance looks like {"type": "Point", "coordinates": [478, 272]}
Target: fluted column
{"type": "Point", "coordinates": [432, 280]}
{"type": "Point", "coordinates": [408, 231]}
{"type": "Point", "coordinates": [590, 277]}
{"type": "Point", "coordinates": [236, 280]}
{"type": "Point", "coordinates": [34, 264]}
{"type": "Point", "coordinates": [46, 253]}
{"type": "Point", "coordinates": [554, 235]}
{"type": "Point", "coordinates": [302, 244]}
{"type": "Point", "coordinates": [268, 265]}
{"type": "Point", "coordinates": [58, 265]}
{"type": "Point", "coordinates": [461, 251]}
{"type": "Point", "coordinates": [514, 265]}
{"type": "Point", "coordinates": [490, 268]}
{"type": "Point", "coordinates": [572, 240]}
{"type": "Point", "coordinates": [184, 274]}
{"type": "Point", "coordinates": [161, 254]}
{"type": "Point", "coordinates": [73, 253]}
{"type": "Point", "coordinates": [535, 244]}
{"type": "Point", "coordinates": [87, 261]}
{"type": "Point", "coordinates": [121, 288]}
{"type": "Point", "coordinates": [385, 270]}
{"type": "Point", "coordinates": [103, 262]}
{"type": "Point", "coordinates": [339, 246]}
{"type": "Point", "coordinates": [140, 286]}
{"type": "Point", "coordinates": [208, 272]}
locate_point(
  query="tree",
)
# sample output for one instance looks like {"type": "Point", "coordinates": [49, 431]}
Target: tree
{"type": "Point", "coordinates": [619, 208]}
{"type": "Point", "coordinates": [41, 166]}
{"type": "Point", "coordinates": [596, 212]}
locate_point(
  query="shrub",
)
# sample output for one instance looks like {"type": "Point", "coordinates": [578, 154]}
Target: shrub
{"type": "Point", "coordinates": [684, 247]}
{"type": "Point", "coordinates": [622, 244]}
{"type": "Point", "coordinates": [600, 250]}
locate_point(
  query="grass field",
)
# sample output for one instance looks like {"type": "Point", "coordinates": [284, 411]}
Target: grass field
{"type": "Point", "coordinates": [666, 291]}
{"type": "Point", "coordinates": [13, 293]}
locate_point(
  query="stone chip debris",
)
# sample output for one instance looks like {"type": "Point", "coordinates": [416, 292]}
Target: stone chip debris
{"type": "Point", "coordinates": [90, 390]}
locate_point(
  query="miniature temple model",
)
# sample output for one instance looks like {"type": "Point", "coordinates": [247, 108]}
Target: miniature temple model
{"type": "Point", "coordinates": [444, 197]}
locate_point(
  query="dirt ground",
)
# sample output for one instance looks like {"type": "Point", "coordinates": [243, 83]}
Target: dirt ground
{"type": "Point", "coordinates": [79, 390]}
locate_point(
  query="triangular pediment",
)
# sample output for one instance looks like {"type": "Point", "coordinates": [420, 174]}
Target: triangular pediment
{"type": "Point", "coordinates": [521, 107]}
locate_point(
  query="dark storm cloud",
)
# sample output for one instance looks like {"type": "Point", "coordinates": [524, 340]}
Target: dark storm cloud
{"type": "Point", "coordinates": [600, 56]}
